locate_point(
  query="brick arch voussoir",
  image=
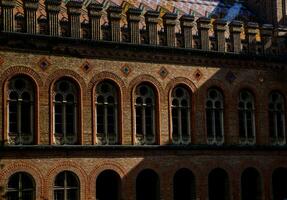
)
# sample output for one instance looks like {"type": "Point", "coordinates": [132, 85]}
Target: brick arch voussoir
{"type": "Point", "coordinates": [107, 76]}
{"type": "Point", "coordinates": [149, 79]}
{"type": "Point", "coordinates": [21, 70]}
{"type": "Point", "coordinates": [180, 81]}
{"type": "Point", "coordinates": [24, 167]}
{"type": "Point", "coordinates": [56, 75]}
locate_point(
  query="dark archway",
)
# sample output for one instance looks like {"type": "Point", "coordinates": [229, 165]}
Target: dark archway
{"type": "Point", "coordinates": [108, 186]}
{"type": "Point", "coordinates": [147, 185]}
{"type": "Point", "coordinates": [251, 187]}
{"type": "Point", "coordinates": [279, 184]}
{"type": "Point", "coordinates": [218, 185]}
{"type": "Point", "coordinates": [184, 185]}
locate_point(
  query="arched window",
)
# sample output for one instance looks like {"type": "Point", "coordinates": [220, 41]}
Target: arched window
{"type": "Point", "coordinates": [180, 110]}
{"type": "Point", "coordinates": [214, 116]}
{"type": "Point", "coordinates": [65, 99]}
{"type": "Point", "coordinates": [147, 185]}
{"type": "Point", "coordinates": [20, 111]}
{"type": "Point", "coordinates": [107, 113]}
{"type": "Point", "coordinates": [251, 185]}
{"type": "Point", "coordinates": [145, 114]}
{"type": "Point", "coordinates": [246, 117]}
{"type": "Point", "coordinates": [184, 185]}
{"type": "Point", "coordinates": [108, 186]}
{"type": "Point", "coordinates": [21, 186]}
{"type": "Point", "coordinates": [66, 186]}
{"type": "Point", "coordinates": [279, 184]}
{"type": "Point", "coordinates": [218, 185]}
{"type": "Point", "coordinates": [277, 118]}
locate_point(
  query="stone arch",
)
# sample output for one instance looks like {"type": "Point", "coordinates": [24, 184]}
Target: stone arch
{"type": "Point", "coordinates": [66, 166]}
{"type": "Point", "coordinates": [29, 168]}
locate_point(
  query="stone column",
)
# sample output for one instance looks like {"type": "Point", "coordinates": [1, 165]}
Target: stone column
{"type": "Point", "coordinates": [220, 28]}
{"type": "Point", "coordinates": [8, 14]}
{"type": "Point", "coordinates": [74, 13]}
{"type": "Point", "coordinates": [186, 24]}
{"type": "Point", "coordinates": [151, 20]}
{"type": "Point", "coordinates": [95, 14]}
{"type": "Point", "coordinates": [203, 26]}
{"type": "Point", "coordinates": [53, 9]}
{"type": "Point", "coordinates": [133, 21]}
{"type": "Point", "coordinates": [31, 7]}
{"type": "Point", "coordinates": [235, 29]}
{"type": "Point", "coordinates": [250, 32]}
{"type": "Point", "coordinates": [281, 38]}
{"type": "Point", "coordinates": [169, 22]}
{"type": "Point", "coordinates": [266, 37]}
{"type": "Point", "coordinates": [114, 13]}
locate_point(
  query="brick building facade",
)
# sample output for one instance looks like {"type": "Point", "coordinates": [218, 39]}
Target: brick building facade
{"type": "Point", "coordinates": [113, 102]}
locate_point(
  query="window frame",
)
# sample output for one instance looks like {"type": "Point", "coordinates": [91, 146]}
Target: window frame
{"type": "Point", "coordinates": [187, 95]}
{"type": "Point", "coordinates": [116, 94]}
{"type": "Point", "coordinates": [250, 99]}
{"type": "Point", "coordinates": [215, 139]}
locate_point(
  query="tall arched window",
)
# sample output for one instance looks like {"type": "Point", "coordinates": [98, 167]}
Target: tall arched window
{"type": "Point", "coordinates": [147, 185]}
{"type": "Point", "coordinates": [145, 114]}
{"type": "Point", "coordinates": [66, 186]}
{"type": "Point", "coordinates": [180, 110]}
{"type": "Point", "coordinates": [246, 117]}
{"type": "Point", "coordinates": [108, 186]}
{"type": "Point", "coordinates": [20, 111]}
{"type": "Point", "coordinates": [214, 116]}
{"type": "Point", "coordinates": [21, 186]}
{"type": "Point", "coordinates": [65, 112]}
{"type": "Point", "coordinates": [218, 185]}
{"type": "Point", "coordinates": [184, 185]}
{"type": "Point", "coordinates": [277, 118]}
{"type": "Point", "coordinates": [251, 185]}
{"type": "Point", "coordinates": [107, 113]}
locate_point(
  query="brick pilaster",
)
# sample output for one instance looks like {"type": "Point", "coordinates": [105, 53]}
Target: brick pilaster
{"type": "Point", "coordinates": [151, 19]}
{"type": "Point", "coordinates": [203, 26]}
{"type": "Point", "coordinates": [95, 14]}
{"type": "Point", "coordinates": [266, 37]}
{"type": "Point", "coordinates": [8, 14]}
{"type": "Point", "coordinates": [250, 32]}
{"type": "Point", "coordinates": [74, 13]}
{"type": "Point", "coordinates": [31, 7]}
{"type": "Point", "coordinates": [114, 13]}
{"type": "Point", "coordinates": [235, 29]}
{"type": "Point", "coordinates": [220, 28]}
{"type": "Point", "coordinates": [169, 22]}
{"type": "Point", "coordinates": [133, 21]}
{"type": "Point", "coordinates": [53, 9]}
{"type": "Point", "coordinates": [186, 24]}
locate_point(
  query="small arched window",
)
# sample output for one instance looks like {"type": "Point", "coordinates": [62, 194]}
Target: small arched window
{"type": "Point", "coordinates": [214, 116]}
{"type": "Point", "coordinates": [145, 114]}
{"type": "Point", "coordinates": [65, 112]}
{"type": "Point", "coordinates": [180, 109]}
{"type": "Point", "coordinates": [20, 111]}
{"type": "Point", "coordinates": [277, 118]}
{"type": "Point", "coordinates": [246, 117]}
{"type": "Point", "coordinates": [66, 186]}
{"type": "Point", "coordinates": [21, 186]}
{"type": "Point", "coordinates": [107, 113]}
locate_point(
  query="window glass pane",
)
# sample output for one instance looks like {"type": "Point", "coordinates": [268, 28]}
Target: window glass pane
{"type": "Point", "coordinates": [59, 182]}
{"type": "Point", "coordinates": [70, 119]}
{"type": "Point", "coordinates": [184, 121]}
{"type": "Point", "coordinates": [12, 195]}
{"type": "Point", "coordinates": [149, 121]}
{"type": "Point", "coordinates": [71, 180]}
{"type": "Point", "coordinates": [139, 120]}
{"type": "Point", "coordinates": [249, 118]}
{"type": "Point", "coordinates": [13, 117]}
{"type": "Point", "coordinates": [26, 117]}
{"type": "Point", "coordinates": [280, 124]}
{"type": "Point", "coordinates": [59, 195]}
{"type": "Point", "coordinates": [13, 182]}
{"type": "Point", "coordinates": [241, 124]}
{"type": "Point", "coordinates": [26, 181]}
{"type": "Point", "coordinates": [209, 121]}
{"type": "Point", "coordinates": [72, 194]}
{"type": "Point", "coordinates": [272, 124]}
{"type": "Point", "coordinates": [58, 118]}
{"type": "Point", "coordinates": [100, 118]}
{"type": "Point", "coordinates": [218, 129]}
{"type": "Point", "coordinates": [27, 195]}
{"type": "Point", "coordinates": [111, 119]}
{"type": "Point", "coordinates": [175, 122]}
